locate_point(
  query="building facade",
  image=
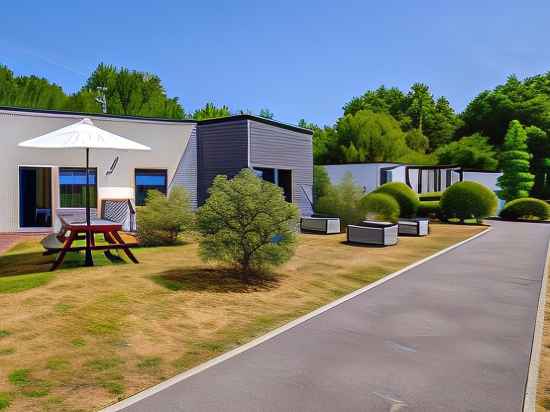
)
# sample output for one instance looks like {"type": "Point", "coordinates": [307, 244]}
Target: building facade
{"type": "Point", "coordinates": [37, 184]}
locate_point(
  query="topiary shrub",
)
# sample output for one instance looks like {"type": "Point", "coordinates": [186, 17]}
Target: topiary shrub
{"type": "Point", "coordinates": [405, 196]}
{"type": "Point", "coordinates": [162, 219]}
{"type": "Point", "coordinates": [468, 200]}
{"type": "Point", "coordinates": [429, 208]}
{"type": "Point", "coordinates": [526, 208]}
{"type": "Point", "coordinates": [380, 206]}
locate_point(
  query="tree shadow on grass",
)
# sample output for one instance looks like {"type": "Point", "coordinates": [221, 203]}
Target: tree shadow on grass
{"type": "Point", "coordinates": [214, 280]}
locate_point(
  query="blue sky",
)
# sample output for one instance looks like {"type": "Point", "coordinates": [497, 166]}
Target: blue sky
{"type": "Point", "coordinates": [300, 59]}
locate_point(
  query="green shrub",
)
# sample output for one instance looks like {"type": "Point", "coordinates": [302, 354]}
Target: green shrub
{"type": "Point", "coordinates": [429, 208]}
{"type": "Point", "coordinates": [468, 200]}
{"type": "Point", "coordinates": [405, 196]}
{"type": "Point", "coordinates": [247, 222]}
{"type": "Point", "coordinates": [430, 196]}
{"type": "Point", "coordinates": [526, 208]}
{"type": "Point", "coordinates": [164, 218]}
{"type": "Point", "coordinates": [380, 206]}
{"type": "Point", "coordinates": [344, 201]}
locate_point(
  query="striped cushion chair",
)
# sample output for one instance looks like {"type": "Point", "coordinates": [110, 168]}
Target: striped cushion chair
{"type": "Point", "coordinates": [120, 211]}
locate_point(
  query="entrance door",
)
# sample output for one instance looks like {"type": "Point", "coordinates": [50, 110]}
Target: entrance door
{"type": "Point", "coordinates": [35, 197]}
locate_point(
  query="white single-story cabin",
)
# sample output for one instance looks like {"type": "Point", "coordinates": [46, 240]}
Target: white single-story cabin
{"type": "Point", "coordinates": [422, 179]}
{"type": "Point", "coordinates": [38, 184]}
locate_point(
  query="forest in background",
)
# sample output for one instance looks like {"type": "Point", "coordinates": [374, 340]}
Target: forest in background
{"type": "Point", "coordinates": [381, 125]}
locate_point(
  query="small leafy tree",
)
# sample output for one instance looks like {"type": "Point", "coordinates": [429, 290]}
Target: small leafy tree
{"type": "Point", "coordinates": [247, 222]}
{"type": "Point", "coordinates": [516, 181]}
{"type": "Point", "coordinates": [344, 200]}
{"type": "Point", "coordinates": [538, 143]}
{"type": "Point", "coordinates": [474, 152]}
{"type": "Point", "coordinates": [163, 219]}
{"type": "Point", "coordinates": [321, 184]}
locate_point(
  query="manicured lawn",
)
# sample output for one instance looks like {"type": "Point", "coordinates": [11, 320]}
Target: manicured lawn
{"type": "Point", "coordinates": [81, 338]}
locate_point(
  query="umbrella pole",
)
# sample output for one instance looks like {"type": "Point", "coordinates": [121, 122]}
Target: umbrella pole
{"type": "Point", "coordinates": [89, 260]}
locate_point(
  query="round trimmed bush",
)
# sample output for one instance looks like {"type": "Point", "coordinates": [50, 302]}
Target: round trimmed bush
{"type": "Point", "coordinates": [405, 196]}
{"type": "Point", "coordinates": [380, 206]}
{"type": "Point", "coordinates": [526, 208]}
{"type": "Point", "coordinates": [468, 200]}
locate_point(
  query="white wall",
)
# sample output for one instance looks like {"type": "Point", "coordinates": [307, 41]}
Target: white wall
{"type": "Point", "coordinates": [168, 141]}
{"type": "Point", "coordinates": [366, 175]}
{"type": "Point", "coordinates": [488, 179]}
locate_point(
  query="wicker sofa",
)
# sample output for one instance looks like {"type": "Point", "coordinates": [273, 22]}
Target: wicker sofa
{"type": "Point", "coordinates": [415, 227]}
{"type": "Point", "coordinates": [326, 225]}
{"type": "Point", "coordinates": [370, 232]}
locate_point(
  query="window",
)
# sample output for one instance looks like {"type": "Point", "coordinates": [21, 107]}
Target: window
{"type": "Point", "coordinates": [72, 187]}
{"type": "Point", "coordinates": [280, 177]}
{"type": "Point", "coordinates": [149, 179]}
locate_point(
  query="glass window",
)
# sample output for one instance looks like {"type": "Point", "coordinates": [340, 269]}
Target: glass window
{"type": "Point", "coordinates": [149, 179]}
{"type": "Point", "coordinates": [72, 187]}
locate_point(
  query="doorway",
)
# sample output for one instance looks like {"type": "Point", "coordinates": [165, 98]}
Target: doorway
{"type": "Point", "coordinates": [35, 197]}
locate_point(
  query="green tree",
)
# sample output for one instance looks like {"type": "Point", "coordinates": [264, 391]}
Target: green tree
{"type": "Point", "coordinates": [321, 184]}
{"type": "Point", "coordinates": [471, 152]}
{"type": "Point", "coordinates": [368, 137]}
{"type": "Point", "coordinates": [516, 181]}
{"type": "Point", "coordinates": [420, 104]}
{"type": "Point", "coordinates": [266, 113]}
{"type": "Point", "coordinates": [417, 141]}
{"type": "Point", "coordinates": [164, 218]}
{"type": "Point", "coordinates": [491, 111]}
{"type": "Point", "coordinates": [128, 92]}
{"type": "Point", "coordinates": [538, 143]}
{"type": "Point", "coordinates": [210, 111]}
{"type": "Point", "coordinates": [247, 222]}
{"type": "Point", "coordinates": [29, 91]}
{"type": "Point", "coordinates": [343, 200]}
{"type": "Point", "coordinates": [325, 140]}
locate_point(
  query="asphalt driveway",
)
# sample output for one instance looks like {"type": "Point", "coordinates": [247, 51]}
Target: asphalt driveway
{"type": "Point", "coordinates": [453, 334]}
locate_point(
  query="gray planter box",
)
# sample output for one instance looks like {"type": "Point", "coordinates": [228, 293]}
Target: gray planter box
{"type": "Point", "coordinates": [415, 227]}
{"type": "Point", "coordinates": [373, 233]}
{"type": "Point", "coordinates": [326, 225]}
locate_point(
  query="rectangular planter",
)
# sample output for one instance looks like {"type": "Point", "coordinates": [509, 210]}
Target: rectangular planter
{"type": "Point", "coordinates": [373, 233]}
{"type": "Point", "coordinates": [326, 225]}
{"type": "Point", "coordinates": [415, 227]}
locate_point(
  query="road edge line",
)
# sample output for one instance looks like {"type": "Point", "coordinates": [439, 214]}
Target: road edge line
{"type": "Point", "coordinates": [281, 329]}
{"type": "Point", "coordinates": [530, 392]}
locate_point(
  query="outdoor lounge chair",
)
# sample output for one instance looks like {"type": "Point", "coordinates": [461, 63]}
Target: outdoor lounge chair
{"type": "Point", "coordinates": [326, 225]}
{"type": "Point", "coordinates": [415, 226]}
{"type": "Point", "coordinates": [373, 233]}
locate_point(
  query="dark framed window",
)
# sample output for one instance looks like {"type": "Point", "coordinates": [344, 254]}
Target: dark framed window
{"type": "Point", "coordinates": [149, 179]}
{"type": "Point", "coordinates": [72, 187]}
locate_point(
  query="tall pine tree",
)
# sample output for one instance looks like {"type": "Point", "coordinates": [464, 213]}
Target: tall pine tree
{"type": "Point", "coordinates": [516, 181]}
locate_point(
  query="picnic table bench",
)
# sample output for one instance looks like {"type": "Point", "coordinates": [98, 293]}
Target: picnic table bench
{"type": "Point", "coordinates": [61, 242]}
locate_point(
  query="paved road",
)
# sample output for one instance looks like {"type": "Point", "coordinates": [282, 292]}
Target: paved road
{"type": "Point", "coordinates": [453, 334]}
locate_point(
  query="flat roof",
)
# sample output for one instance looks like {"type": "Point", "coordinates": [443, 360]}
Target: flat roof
{"type": "Point", "coordinates": [160, 119]}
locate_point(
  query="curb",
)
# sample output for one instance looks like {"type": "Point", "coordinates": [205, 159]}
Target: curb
{"type": "Point", "coordinates": [530, 398]}
{"type": "Point", "coordinates": [255, 342]}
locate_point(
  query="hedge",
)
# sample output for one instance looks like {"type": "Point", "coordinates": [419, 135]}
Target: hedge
{"type": "Point", "coordinates": [468, 200]}
{"type": "Point", "coordinates": [430, 208]}
{"type": "Point", "coordinates": [380, 206]}
{"type": "Point", "coordinates": [405, 196]}
{"type": "Point", "coordinates": [430, 196]}
{"type": "Point", "coordinates": [526, 208]}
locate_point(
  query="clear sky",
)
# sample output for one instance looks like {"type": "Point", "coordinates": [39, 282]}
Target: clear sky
{"type": "Point", "coordinates": [300, 59]}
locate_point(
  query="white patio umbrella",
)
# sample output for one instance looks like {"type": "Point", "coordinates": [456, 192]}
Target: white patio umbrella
{"type": "Point", "coordinates": [83, 135]}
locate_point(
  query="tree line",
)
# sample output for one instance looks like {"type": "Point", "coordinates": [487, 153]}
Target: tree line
{"type": "Point", "coordinates": [127, 92]}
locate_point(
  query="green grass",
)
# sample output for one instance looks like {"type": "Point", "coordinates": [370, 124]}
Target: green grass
{"type": "Point", "coordinates": [151, 362]}
{"type": "Point", "coordinates": [114, 387]}
{"type": "Point", "coordinates": [19, 283]}
{"type": "Point", "coordinates": [20, 377]}
{"type": "Point", "coordinates": [104, 364]}
{"type": "Point", "coordinates": [5, 400]}
{"type": "Point", "coordinates": [7, 351]}
{"type": "Point", "coordinates": [78, 343]}
{"type": "Point", "coordinates": [4, 333]}
{"type": "Point", "coordinates": [57, 364]}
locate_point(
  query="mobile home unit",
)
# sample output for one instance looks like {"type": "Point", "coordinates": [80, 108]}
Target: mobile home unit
{"type": "Point", "coordinates": [37, 184]}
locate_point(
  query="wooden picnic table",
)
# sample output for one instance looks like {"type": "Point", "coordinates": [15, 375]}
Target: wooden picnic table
{"type": "Point", "coordinates": [111, 233]}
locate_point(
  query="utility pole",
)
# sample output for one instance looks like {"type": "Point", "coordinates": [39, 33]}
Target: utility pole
{"type": "Point", "coordinates": [101, 98]}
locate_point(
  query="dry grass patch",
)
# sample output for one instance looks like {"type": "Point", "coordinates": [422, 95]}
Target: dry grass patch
{"type": "Point", "coordinates": [543, 386]}
{"type": "Point", "coordinates": [90, 336]}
